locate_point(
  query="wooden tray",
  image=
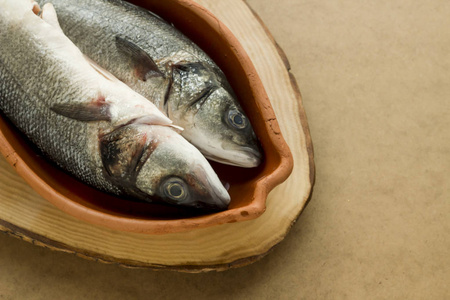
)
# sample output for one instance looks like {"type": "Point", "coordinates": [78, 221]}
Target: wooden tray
{"type": "Point", "coordinates": [25, 214]}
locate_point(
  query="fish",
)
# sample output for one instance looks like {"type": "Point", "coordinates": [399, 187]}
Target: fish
{"type": "Point", "coordinates": [91, 124]}
{"type": "Point", "coordinates": [163, 65]}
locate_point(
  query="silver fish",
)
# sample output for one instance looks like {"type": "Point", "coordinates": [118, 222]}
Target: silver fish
{"type": "Point", "coordinates": [163, 65]}
{"type": "Point", "coordinates": [91, 124]}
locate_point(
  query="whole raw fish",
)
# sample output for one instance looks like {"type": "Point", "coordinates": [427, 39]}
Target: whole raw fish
{"type": "Point", "coordinates": [163, 65]}
{"type": "Point", "coordinates": [90, 123]}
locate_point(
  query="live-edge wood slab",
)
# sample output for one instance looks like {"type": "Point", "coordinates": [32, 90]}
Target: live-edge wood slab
{"type": "Point", "coordinates": [24, 214]}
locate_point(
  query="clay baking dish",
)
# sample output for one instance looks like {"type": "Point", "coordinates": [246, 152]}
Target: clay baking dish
{"type": "Point", "coordinates": [248, 187]}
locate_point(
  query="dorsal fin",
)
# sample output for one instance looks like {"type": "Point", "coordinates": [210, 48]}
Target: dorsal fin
{"type": "Point", "coordinates": [142, 64]}
{"type": "Point", "coordinates": [100, 70]}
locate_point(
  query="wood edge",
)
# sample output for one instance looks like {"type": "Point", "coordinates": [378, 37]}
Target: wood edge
{"type": "Point", "coordinates": [301, 111]}
{"type": "Point", "coordinates": [42, 241]}
{"type": "Point", "coordinates": [304, 122]}
{"type": "Point", "coordinates": [269, 34]}
{"type": "Point", "coordinates": [298, 96]}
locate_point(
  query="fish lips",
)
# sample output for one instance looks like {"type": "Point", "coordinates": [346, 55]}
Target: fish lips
{"type": "Point", "coordinates": [214, 202]}
{"type": "Point", "coordinates": [239, 156]}
{"type": "Point", "coordinates": [218, 198]}
{"type": "Point", "coordinates": [219, 205]}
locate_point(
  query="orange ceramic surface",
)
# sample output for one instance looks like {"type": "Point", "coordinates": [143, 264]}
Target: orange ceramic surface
{"type": "Point", "coordinates": [249, 187]}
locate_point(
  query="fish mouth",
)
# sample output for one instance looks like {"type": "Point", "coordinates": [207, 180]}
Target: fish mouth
{"type": "Point", "coordinates": [244, 157]}
{"type": "Point", "coordinates": [215, 196]}
{"type": "Point", "coordinates": [213, 207]}
{"type": "Point", "coordinates": [216, 201]}
{"type": "Point", "coordinates": [220, 199]}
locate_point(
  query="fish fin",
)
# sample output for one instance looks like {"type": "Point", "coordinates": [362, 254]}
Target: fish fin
{"type": "Point", "coordinates": [48, 14]}
{"type": "Point", "coordinates": [178, 129]}
{"type": "Point", "coordinates": [94, 111]}
{"type": "Point", "coordinates": [100, 70]}
{"type": "Point", "coordinates": [154, 119]}
{"type": "Point", "coordinates": [144, 66]}
{"type": "Point", "coordinates": [168, 90]}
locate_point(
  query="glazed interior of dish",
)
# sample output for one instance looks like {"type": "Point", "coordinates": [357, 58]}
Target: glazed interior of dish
{"type": "Point", "coordinates": [248, 187]}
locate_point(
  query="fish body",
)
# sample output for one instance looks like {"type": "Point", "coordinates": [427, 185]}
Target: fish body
{"type": "Point", "coordinates": [91, 124]}
{"type": "Point", "coordinates": [163, 65]}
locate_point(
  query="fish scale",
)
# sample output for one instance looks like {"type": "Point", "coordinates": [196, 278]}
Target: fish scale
{"type": "Point", "coordinates": [74, 156]}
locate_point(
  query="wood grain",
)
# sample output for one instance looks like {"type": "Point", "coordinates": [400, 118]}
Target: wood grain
{"type": "Point", "coordinates": [24, 214]}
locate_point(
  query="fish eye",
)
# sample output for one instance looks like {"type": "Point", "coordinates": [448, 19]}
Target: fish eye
{"type": "Point", "coordinates": [237, 119]}
{"type": "Point", "coordinates": [175, 189]}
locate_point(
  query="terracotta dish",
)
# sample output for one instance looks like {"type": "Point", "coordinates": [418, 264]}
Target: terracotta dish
{"type": "Point", "coordinates": [248, 187]}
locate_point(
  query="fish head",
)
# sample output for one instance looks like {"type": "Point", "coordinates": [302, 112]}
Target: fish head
{"type": "Point", "coordinates": [212, 118]}
{"type": "Point", "coordinates": [177, 173]}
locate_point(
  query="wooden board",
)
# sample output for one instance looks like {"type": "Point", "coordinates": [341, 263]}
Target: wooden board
{"type": "Point", "coordinates": [24, 214]}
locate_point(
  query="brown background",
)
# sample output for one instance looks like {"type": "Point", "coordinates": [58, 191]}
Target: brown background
{"type": "Point", "coordinates": [375, 80]}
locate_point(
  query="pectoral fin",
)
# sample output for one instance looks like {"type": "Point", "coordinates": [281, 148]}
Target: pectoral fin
{"type": "Point", "coordinates": [92, 111]}
{"type": "Point", "coordinates": [142, 64]}
{"type": "Point", "coordinates": [155, 119]}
